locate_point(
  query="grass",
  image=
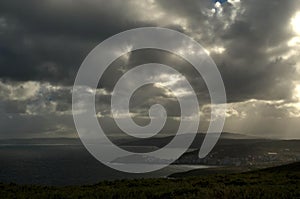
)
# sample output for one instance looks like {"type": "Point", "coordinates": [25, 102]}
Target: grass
{"type": "Point", "coordinates": [279, 182]}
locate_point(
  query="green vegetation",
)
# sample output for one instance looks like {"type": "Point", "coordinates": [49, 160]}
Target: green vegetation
{"type": "Point", "coordinates": [278, 182]}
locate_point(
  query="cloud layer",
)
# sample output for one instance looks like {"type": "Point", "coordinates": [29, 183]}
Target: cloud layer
{"type": "Point", "coordinates": [254, 44]}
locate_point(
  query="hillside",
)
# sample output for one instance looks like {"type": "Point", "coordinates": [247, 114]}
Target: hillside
{"type": "Point", "coordinates": [277, 182]}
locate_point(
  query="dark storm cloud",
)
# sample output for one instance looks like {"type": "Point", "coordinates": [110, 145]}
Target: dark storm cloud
{"type": "Point", "coordinates": [248, 31]}
{"type": "Point", "coordinates": [248, 66]}
{"type": "Point", "coordinates": [46, 41]}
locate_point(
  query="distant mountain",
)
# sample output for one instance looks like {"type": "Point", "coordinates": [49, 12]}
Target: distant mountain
{"type": "Point", "coordinates": [124, 141]}
{"type": "Point", "coordinates": [226, 135]}
{"type": "Point", "coordinates": [41, 141]}
{"type": "Point", "coordinates": [130, 142]}
{"type": "Point", "coordinates": [162, 141]}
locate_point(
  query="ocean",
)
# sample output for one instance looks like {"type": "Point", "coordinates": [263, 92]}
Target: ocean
{"type": "Point", "coordinates": [63, 164]}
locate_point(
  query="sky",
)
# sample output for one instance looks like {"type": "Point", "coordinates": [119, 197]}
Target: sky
{"type": "Point", "coordinates": [255, 45]}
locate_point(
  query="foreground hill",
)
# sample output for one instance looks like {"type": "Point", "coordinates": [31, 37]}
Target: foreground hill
{"type": "Point", "coordinates": [277, 182]}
